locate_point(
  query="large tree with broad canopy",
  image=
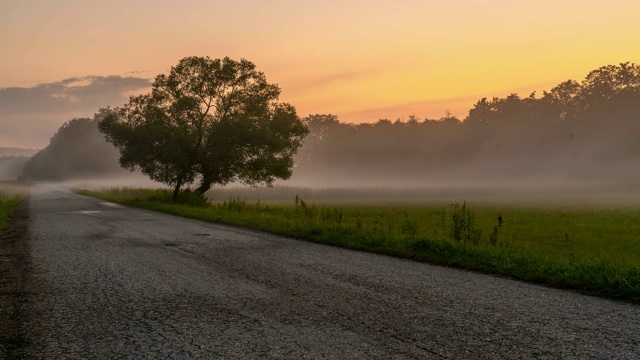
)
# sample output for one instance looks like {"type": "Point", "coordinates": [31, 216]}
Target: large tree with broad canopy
{"type": "Point", "coordinates": [210, 121]}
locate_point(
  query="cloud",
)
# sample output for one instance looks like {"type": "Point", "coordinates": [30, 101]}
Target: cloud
{"type": "Point", "coordinates": [29, 116]}
{"type": "Point", "coordinates": [315, 83]}
{"type": "Point", "coordinates": [73, 94]}
{"type": "Point", "coordinates": [342, 77]}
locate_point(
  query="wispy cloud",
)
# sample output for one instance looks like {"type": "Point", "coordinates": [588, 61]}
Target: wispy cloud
{"type": "Point", "coordinates": [29, 116]}
{"type": "Point", "coordinates": [322, 82]}
{"type": "Point", "coordinates": [72, 94]}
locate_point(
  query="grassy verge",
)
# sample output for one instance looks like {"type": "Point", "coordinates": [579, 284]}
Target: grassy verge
{"type": "Point", "coordinates": [9, 199]}
{"type": "Point", "coordinates": [594, 251]}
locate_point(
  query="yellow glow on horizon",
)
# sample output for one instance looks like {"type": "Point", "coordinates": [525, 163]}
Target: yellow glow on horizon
{"type": "Point", "coordinates": [362, 60]}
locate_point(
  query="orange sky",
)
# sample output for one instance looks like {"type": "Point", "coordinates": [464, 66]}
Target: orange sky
{"type": "Point", "coordinates": [361, 60]}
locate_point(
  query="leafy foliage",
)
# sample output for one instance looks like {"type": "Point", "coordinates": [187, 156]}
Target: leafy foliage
{"type": "Point", "coordinates": [77, 149]}
{"type": "Point", "coordinates": [213, 121]}
{"type": "Point", "coordinates": [576, 131]}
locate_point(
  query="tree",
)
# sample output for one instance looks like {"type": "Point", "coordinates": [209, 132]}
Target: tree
{"type": "Point", "coordinates": [611, 90]}
{"type": "Point", "coordinates": [76, 150]}
{"type": "Point", "coordinates": [210, 121]}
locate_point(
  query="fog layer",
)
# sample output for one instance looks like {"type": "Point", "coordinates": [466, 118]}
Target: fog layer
{"type": "Point", "coordinates": [580, 135]}
{"type": "Point", "coordinates": [575, 133]}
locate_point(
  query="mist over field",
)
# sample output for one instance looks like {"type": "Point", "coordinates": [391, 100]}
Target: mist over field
{"type": "Point", "coordinates": [576, 138]}
{"type": "Point", "coordinates": [451, 153]}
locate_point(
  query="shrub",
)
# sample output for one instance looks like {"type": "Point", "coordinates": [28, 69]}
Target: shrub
{"type": "Point", "coordinates": [463, 225]}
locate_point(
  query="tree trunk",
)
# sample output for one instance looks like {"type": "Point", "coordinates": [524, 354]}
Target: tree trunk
{"type": "Point", "coordinates": [176, 190]}
{"type": "Point", "coordinates": [204, 186]}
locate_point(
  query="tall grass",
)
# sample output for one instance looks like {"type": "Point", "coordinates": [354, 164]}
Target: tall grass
{"type": "Point", "coordinates": [595, 251]}
{"type": "Point", "coordinates": [10, 196]}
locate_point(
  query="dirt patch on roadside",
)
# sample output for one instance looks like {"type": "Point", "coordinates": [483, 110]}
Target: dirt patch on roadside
{"type": "Point", "coordinates": [14, 264]}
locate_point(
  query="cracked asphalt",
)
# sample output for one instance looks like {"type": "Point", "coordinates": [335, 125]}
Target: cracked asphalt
{"type": "Point", "coordinates": [107, 281]}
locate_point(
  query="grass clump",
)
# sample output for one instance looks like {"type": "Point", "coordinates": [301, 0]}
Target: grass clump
{"type": "Point", "coordinates": [591, 250]}
{"type": "Point", "coordinates": [463, 225]}
{"type": "Point", "coordinates": [9, 200]}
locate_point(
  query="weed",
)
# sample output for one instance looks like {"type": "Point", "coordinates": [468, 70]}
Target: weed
{"type": "Point", "coordinates": [305, 210]}
{"type": "Point", "coordinates": [443, 223]}
{"type": "Point", "coordinates": [493, 237]}
{"type": "Point", "coordinates": [234, 204]}
{"type": "Point", "coordinates": [463, 226]}
{"type": "Point", "coordinates": [331, 216]}
{"type": "Point", "coordinates": [409, 227]}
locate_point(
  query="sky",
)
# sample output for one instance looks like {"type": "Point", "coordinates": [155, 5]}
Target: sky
{"type": "Point", "coordinates": [361, 60]}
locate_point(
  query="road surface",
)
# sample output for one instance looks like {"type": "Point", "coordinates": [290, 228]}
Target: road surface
{"type": "Point", "coordinates": [106, 281]}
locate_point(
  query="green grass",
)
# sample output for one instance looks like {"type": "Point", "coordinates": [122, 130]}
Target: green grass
{"type": "Point", "coordinates": [589, 249]}
{"type": "Point", "coordinates": [10, 196]}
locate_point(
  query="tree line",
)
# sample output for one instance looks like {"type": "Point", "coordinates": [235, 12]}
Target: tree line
{"type": "Point", "coordinates": [76, 150]}
{"type": "Point", "coordinates": [576, 130]}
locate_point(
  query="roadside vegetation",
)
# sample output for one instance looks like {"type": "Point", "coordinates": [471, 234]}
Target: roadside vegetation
{"type": "Point", "coordinates": [10, 195]}
{"type": "Point", "coordinates": [593, 250]}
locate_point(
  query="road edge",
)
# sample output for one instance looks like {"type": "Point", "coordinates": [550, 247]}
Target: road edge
{"type": "Point", "coordinates": [14, 272]}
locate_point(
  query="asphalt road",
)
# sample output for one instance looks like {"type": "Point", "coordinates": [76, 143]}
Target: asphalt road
{"type": "Point", "coordinates": [106, 281]}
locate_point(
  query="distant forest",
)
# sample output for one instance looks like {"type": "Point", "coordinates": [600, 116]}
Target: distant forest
{"type": "Point", "coordinates": [576, 131]}
{"type": "Point", "coordinates": [12, 160]}
{"type": "Point", "coordinates": [77, 150]}
{"type": "Point", "coordinates": [585, 130]}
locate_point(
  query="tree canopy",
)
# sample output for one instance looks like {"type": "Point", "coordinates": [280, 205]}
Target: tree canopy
{"type": "Point", "coordinates": [578, 130]}
{"type": "Point", "coordinates": [210, 121]}
{"type": "Point", "coordinates": [76, 150]}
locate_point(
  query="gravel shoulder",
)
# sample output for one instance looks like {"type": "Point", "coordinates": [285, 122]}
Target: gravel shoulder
{"type": "Point", "coordinates": [107, 281]}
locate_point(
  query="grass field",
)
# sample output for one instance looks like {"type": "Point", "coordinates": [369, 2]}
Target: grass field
{"type": "Point", "coordinates": [10, 195]}
{"type": "Point", "coordinates": [594, 250]}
